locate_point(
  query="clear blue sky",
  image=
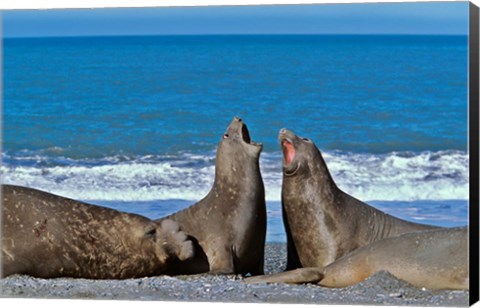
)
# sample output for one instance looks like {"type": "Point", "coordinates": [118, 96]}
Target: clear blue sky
{"type": "Point", "coordinates": [368, 18]}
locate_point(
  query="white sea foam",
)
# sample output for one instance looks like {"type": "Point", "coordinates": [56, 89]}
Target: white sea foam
{"type": "Point", "coordinates": [402, 176]}
{"type": "Point", "coordinates": [399, 176]}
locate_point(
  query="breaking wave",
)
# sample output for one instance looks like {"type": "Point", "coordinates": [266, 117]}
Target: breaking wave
{"type": "Point", "coordinates": [396, 176]}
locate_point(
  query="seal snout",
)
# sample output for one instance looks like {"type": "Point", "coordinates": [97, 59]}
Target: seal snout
{"type": "Point", "coordinates": [238, 130]}
{"type": "Point", "coordinates": [286, 134]}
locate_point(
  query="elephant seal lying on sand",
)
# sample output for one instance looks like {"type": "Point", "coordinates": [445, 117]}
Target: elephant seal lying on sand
{"type": "Point", "coordinates": [46, 236]}
{"type": "Point", "coordinates": [434, 259]}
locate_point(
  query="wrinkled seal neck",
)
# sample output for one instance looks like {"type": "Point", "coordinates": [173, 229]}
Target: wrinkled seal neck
{"type": "Point", "coordinates": [322, 169]}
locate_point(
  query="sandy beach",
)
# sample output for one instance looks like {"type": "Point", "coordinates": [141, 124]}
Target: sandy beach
{"type": "Point", "coordinates": [380, 289]}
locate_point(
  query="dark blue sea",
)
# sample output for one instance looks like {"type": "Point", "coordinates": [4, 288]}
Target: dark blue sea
{"type": "Point", "coordinates": [133, 122]}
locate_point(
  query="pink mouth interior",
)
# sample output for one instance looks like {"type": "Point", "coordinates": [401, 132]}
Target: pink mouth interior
{"type": "Point", "coordinates": [288, 152]}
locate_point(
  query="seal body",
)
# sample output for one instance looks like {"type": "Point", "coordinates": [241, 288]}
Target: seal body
{"type": "Point", "coordinates": [228, 226]}
{"type": "Point", "coordinates": [337, 240]}
{"type": "Point", "coordinates": [433, 259]}
{"type": "Point", "coordinates": [45, 235]}
{"type": "Point", "coordinates": [436, 259]}
{"type": "Point", "coordinates": [322, 222]}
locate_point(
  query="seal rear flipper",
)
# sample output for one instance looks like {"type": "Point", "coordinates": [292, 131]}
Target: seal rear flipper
{"type": "Point", "coordinates": [297, 276]}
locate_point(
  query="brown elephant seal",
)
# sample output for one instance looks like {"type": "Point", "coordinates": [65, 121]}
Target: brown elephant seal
{"type": "Point", "coordinates": [322, 222]}
{"type": "Point", "coordinates": [228, 225]}
{"type": "Point", "coordinates": [46, 236]}
{"type": "Point", "coordinates": [435, 259]}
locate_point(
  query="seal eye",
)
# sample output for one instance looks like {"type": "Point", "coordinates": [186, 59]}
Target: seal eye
{"type": "Point", "coordinates": [306, 139]}
{"type": "Point", "coordinates": [225, 136]}
{"type": "Point", "coordinates": [151, 233]}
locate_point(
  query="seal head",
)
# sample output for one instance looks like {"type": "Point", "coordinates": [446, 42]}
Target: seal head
{"type": "Point", "coordinates": [236, 149]}
{"type": "Point", "coordinates": [299, 153]}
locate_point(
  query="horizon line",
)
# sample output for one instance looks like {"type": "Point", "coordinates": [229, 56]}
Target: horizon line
{"type": "Point", "coordinates": [235, 34]}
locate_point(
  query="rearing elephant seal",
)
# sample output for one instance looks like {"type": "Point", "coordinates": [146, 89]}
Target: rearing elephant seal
{"type": "Point", "coordinates": [435, 259]}
{"type": "Point", "coordinates": [46, 236]}
{"type": "Point", "coordinates": [229, 223]}
{"type": "Point", "coordinates": [322, 222]}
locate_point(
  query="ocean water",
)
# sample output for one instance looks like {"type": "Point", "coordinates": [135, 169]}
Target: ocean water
{"type": "Point", "coordinates": [133, 122]}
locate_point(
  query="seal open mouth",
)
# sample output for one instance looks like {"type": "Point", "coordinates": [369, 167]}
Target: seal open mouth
{"type": "Point", "coordinates": [288, 152]}
{"type": "Point", "coordinates": [246, 136]}
{"type": "Point", "coordinates": [291, 164]}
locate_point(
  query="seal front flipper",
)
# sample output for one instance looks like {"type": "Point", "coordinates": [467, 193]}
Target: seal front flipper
{"type": "Point", "coordinates": [175, 241]}
{"type": "Point", "coordinates": [297, 276]}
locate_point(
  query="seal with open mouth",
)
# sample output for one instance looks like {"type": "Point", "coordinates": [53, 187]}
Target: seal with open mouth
{"type": "Point", "coordinates": [322, 222]}
{"type": "Point", "coordinates": [228, 225]}
{"type": "Point", "coordinates": [336, 240]}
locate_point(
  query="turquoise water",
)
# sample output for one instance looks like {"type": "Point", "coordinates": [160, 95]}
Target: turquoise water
{"type": "Point", "coordinates": [133, 120]}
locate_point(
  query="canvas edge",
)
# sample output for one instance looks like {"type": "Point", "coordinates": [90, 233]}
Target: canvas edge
{"type": "Point", "coordinates": [474, 151]}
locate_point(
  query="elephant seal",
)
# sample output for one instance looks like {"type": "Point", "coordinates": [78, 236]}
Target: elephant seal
{"type": "Point", "coordinates": [47, 236]}
{"type": "Point", "coordinates": [228, 226]}
{"type": "Point", "coordinates": [322, 222]}
{"type": "Point", "coordinates": [432, 259]}
{"type": "Point", "coordinates": [435, 259]}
